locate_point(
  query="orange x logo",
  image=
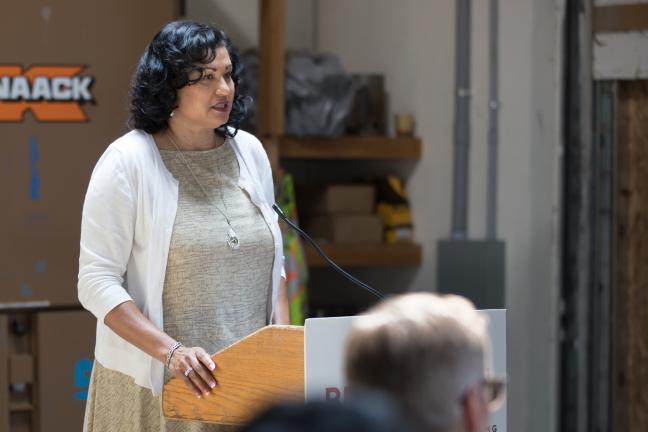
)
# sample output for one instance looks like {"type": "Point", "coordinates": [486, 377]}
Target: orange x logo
{"type": "Point", "coordinates": [52, 93]}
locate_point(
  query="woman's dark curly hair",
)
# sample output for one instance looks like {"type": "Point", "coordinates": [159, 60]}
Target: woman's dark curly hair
{"type": "Point", "coordinates": [181, 47]}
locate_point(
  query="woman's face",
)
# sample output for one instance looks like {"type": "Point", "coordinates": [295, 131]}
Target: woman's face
{"type": "Point", "coordinates": [208, 102]}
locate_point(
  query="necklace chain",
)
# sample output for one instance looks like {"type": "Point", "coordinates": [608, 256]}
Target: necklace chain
{"type": "Point", "coordinates": [232, 238]}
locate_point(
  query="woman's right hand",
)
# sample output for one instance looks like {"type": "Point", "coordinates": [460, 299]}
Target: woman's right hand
{"type": "Point", "coordinates": [195, 367]}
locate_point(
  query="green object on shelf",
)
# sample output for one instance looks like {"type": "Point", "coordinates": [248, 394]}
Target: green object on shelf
{"type": "Point", "coordinates": [294, 257]}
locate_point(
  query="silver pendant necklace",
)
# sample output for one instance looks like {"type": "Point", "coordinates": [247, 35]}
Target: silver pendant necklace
{"type": "Point", "coordinates": [230, 237]}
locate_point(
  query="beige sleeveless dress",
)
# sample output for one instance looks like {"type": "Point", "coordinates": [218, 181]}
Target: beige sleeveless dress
{"type": "Point", "coordinates": [213, 295]}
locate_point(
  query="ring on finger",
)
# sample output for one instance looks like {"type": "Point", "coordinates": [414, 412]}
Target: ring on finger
{"type": "Point", "coordinates": [188, 371]}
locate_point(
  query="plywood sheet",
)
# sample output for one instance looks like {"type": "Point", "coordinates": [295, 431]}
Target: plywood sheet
{"type": "Point", "coordinates": [631, 295]}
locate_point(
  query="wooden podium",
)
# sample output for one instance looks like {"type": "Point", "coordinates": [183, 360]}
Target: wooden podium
{"type": "Point", "coordinates": [279, 363]}
{"type": "Point", "coordinates": [261, 369]}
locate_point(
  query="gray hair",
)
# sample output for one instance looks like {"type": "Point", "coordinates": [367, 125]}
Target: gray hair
{"type": "Point", "coordinates": [424, 349]}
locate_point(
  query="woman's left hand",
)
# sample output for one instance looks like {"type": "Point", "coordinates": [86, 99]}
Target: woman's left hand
{"type": "Point", "coordinates": [194, 366]}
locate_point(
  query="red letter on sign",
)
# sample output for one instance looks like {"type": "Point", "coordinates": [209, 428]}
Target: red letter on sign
{"type": "Point", "coordinates": [332, 394]}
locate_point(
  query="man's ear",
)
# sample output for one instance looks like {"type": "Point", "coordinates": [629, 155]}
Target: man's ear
{"type": "Point", "coordinates": [473, 409]}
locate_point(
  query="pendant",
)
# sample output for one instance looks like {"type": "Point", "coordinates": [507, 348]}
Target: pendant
{"type": "Point", "coordinates": [232, 239]}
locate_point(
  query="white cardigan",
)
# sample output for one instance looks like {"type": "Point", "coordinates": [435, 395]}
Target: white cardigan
{"type": "Point", "coordinates": [126, 226]}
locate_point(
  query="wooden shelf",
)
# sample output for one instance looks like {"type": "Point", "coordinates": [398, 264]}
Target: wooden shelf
{"type": "Point", "coordinates": [350, 147]}
{"type": "Point", "coordinates": [366, 255]}
{"type": "Point", "coordinates": [20, 407]}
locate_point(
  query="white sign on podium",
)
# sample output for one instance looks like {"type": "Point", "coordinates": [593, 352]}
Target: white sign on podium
{"type": "Point", "coordinates": [324, 358]}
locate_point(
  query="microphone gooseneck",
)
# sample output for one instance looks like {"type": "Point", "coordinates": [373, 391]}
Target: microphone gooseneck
{"type": "Point", "coordinates": [319, 250]}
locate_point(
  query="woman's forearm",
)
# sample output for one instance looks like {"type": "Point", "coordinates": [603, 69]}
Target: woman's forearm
{"type": "Point", "coordinates": [190, 364]}
{"type": "Point", "coordinates": [130, 324]}
{"type": "Point", "coordinates": [282, 313]}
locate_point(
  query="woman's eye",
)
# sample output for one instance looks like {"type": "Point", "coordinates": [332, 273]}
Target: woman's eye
{"type": "Point", "coordinates": [207, 77]}
{"type": "Point", "coordinates": [228, 75]}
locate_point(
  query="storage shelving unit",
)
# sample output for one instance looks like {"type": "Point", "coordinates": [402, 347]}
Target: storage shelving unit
{"type": "Point", "coordinates": [270, 121]}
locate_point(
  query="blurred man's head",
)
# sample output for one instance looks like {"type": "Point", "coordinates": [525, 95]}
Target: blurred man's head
{"type": "Point", "coordinates": [428, 352]}
{"type": "Point", "coordinates": [368, 412]}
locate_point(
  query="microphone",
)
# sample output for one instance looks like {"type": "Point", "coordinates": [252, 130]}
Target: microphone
{"type": "Point", "coordinates": [330, 262]}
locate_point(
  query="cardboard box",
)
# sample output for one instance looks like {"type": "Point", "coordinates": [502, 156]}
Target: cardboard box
{"type": "Point", "coordinates": [366, 228]}
{"type": "Point", "coordinates": [64, 357]}
{"type": "Point", "coordinates": [45, 164]}
{"type": "Point", "coordinates": [336, 199]}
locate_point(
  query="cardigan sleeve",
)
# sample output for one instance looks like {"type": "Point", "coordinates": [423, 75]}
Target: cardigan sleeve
{"type": "Point", "coordinates": [265, 178]}
{"type": "Point", "coordinates": [107, 230]}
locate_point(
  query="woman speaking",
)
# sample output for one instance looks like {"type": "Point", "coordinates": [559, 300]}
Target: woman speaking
{"type": "Point", "coordinates": [181, 253]}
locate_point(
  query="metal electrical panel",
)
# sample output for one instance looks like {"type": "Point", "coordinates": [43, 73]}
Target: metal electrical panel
{"type": "Point", "coordinates": [474, 269]}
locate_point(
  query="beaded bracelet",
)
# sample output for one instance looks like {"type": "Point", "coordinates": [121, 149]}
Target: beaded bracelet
{"type": "Point", "coordinates": [174, 347]}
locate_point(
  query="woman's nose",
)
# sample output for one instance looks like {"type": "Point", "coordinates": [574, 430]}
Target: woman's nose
{"type": "Point", "coordinates": [223, 87]}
